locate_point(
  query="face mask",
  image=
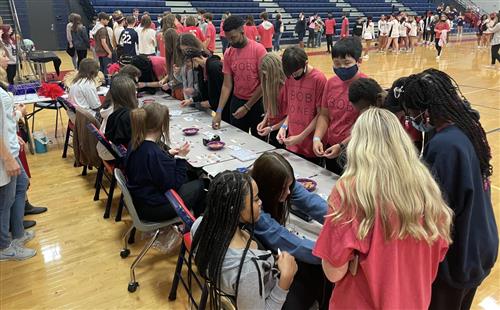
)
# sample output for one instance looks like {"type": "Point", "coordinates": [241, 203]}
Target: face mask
{"type": "Point", "coordinates": [301, 75]}
{"type": "Point", "coordinates": [346, 74]}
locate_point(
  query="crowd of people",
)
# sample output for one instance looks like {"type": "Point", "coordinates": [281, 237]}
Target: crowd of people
{"type": "Point", "coordinates": [427, 217]}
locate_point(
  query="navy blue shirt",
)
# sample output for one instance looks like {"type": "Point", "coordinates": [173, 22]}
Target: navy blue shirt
{"type": "Point", "coordinates": [151, 172]}
{"type": "Point", "coordinates": [128, 39]}
{"type": "Point", "coordinates": [453, 160]}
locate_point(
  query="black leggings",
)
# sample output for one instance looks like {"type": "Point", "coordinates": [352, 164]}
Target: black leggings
{"type": "Point", "coordinates": [11, 73]}
{"type": "Point", "coordinates": [82, 54]}
{"type": "Point", "coordinates": [251, 119]}
{"type": "Point", "coordinates": [329, 42]}
{"type": "Point", "coordinates": [446, 297]}
{"type": "Point", "coordinates": [438, 48]}
{"type": "Point", "coordinates": [192, 193]}
{"type": "Point", "coordinates": [309, 285]}
{"type": "Point", "coordinates": [311, 40]}
{"type": "Point", "coordinates": [494, 53]}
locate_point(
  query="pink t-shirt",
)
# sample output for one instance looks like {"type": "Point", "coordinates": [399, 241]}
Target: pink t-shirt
{"type": "Point", "coordinates": [210, 35]}
{"type": "Point", "coordinates": [251, 32]}
{"type": "Point", "coordinates": [330, 26]}
{"type": "Point", "coordinates": [159, 66]}
{"type": "Point", "coordinates": [281, 113]}
{"type": "Point", "coordinates": [160, 43]}
{"type": "Point", "coordinates": [266, 32]}
{"type": "Point", "coordinates": [243, 65]}
{"type": "Point", "coordinates": [179, 28]}
{"type": "Point", "coordinates": [196, 32]}
{"type": "Point", "coordinates": [302, 100]}
{"type": "Point", "coordinates": [221, 30]}
{"type": "Point", "coordinates": [392, 274]}
{"type": "Point", "coordinates": [342, 113]}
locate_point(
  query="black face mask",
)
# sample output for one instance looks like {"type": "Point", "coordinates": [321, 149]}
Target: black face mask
{"type": "Point", "coordinates": [301, 75]}
{"type": "Point", "coordinates": [240, 44]}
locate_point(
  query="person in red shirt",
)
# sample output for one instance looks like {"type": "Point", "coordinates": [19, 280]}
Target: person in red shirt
{"type": "Point", "coordinates": [388, 227]}
{"type": "Point", "coordinates": [441, 29]}
{"type": "Point", "coordinates": [211, 33]}
{"type": "Point", "coordinates": [191, 28]}
{"type": "Point", "coordinates": [178, 25]}
{"type": "Point", "coordinates": [272, 79]}
{"type": "Point", "coordinates": [250, 30]}
{"type": "Point", "coordinates": [337, 115]}
{"type": "Point", "coordinates": [266, 32]}
{"type": "Point", "coordinates": [330, 31]}
{"type": "Point", "coordinates": [344, 30]}
{"type": "Point", "coordinates": [304, 90]}
{"type": "Point", "coordinates": [241, 70]}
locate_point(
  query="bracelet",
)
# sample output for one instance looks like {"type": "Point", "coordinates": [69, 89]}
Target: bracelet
{"type": "Point", "coordinates": [219, 110]}
{"type": "Point", "coordinates": [246, 107]}
{"type": "Point", "coordinates": [316, 139]}
{"type": "Point", "coordinates": [284, 126]}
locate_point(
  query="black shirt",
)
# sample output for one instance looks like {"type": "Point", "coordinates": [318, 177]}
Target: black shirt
{"type": "Point", "coordinates": [118, 128]}
{"type": "Point", "coordinates": [128, 39]}
{"type": "Point", "coordinates": [358, 29]}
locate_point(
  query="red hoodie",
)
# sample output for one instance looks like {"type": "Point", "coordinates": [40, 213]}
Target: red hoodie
{"type": "Point", "coordinates": [266, 32]}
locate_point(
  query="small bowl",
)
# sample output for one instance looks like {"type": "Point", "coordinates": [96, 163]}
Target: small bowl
{"type": "Point", "coordinates": [308, 184]}
{"type": "Point", "coordinates": [216, 145]}
{"type": "Point", "coordinates": [190, 131]}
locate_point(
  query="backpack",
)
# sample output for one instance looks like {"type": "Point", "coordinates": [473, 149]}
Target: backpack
{"type": "Point", "coordinates": [143, 63]}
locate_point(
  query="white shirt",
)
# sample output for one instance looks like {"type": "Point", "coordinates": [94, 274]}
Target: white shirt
{"type": "Point", "coordinates": [147, 41]}
{"type": "Point", "coordinates": [402, 30]}
{"type": "Point", "coordinates": [84, 94]}
{"type": "Point", "coordinates": [394, 25]}
{"type": "Point", "coordinates": [117, 31]}
{"type": "Point", "coordinates": [413, 29]}
{"type": "Point", "coordinates": [382, 27]}
{"type": "Point", "coordinates": [421, 25]}
{"type": "Point", "coordinates": [368, 31]}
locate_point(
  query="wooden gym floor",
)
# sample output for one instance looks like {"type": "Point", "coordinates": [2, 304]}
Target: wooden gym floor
{"type": "Point", "coordinates": [78, 263]}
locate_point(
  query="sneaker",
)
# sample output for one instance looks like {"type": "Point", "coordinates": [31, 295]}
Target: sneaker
{"type": "Point", "coordinates": [437, 57]}
{"type": "Point", "coordinates": [15, 252]}
{"type": "Point", "coordinates": [31, 209]}
{"type": "Point", "coordinates": [28, 236]}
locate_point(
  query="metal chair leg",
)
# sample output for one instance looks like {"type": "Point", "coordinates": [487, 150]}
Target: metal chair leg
{"type": "Point", "coordinates": [98, 182]}
{"type": "Point", "coordinates": [125, 252]}
{"type": "Point", "coordinates": [131, 237]}
{"type": "Point", "coordinates": [133, 284]}
{"type": "Point", "coordinates": [177, 274]}
{"type": "Point", "coordinates": [110, 197]}
{"type": "Point", "coordinates": [120, 210]}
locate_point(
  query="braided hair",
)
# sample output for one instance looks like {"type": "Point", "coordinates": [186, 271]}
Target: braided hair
{"type": "Point", "coordinates": [225, 201]}
{"type": "Point", "coordinates": [437, 92]}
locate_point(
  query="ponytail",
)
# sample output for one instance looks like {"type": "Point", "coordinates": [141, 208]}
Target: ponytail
{"type": "Point", "coordinates": [138, 123]}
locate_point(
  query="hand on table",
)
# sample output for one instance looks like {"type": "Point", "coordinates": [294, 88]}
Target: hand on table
{"type": "Point", "coordinates": [186, 102]}
{"type": "Point", "coordinates": [216, 120]}
{"type": "Point", "coordinates": [182, 151]}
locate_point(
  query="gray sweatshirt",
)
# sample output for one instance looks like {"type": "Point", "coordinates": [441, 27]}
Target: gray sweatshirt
{"type": "Point", "coordinates": [258, 287]}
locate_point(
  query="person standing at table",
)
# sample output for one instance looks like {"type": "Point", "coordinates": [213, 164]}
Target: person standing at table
{"type": "Point", "coordinates": [385, 210]}
{"type": "Point", "coordinates": [241, 70]}
{"type": "Point", "coordinates": [304, 88]}
{"type": "Point", "coordinates": [279, 190]}
{"type": "Point", "coordinates": [266, 32]}
{"type": "Point", "coordinates": [337, 115]}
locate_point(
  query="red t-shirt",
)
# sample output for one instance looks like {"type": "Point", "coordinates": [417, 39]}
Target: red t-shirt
{"type": "Point", "coordinates": [392, 274]}
{"type": "Point", "coordinates": [340, 110]}
{"type": "Point", "coordinates": [330, 26]}
{"type": "Point", "coordinates": [221, 30]}
{"type": "Point", "coordinates": [179, 28]}
{"type": "Point", "coordinates": [160, 43]}
{"type": "Point", "coordinates": [243, 65]}
{"type": "Point", "coordinates": [196, 32]}
{"type": "Point", "coordinates": [251, 32]}
{"type": "Point", "coordinates": [301, 101]}
{"type": "Point", "coordinates": [266, 32]}
{"type": "Point", "coordinates": [281, 113]}
{"type": "Point", "coordinates": [344, 31]}
{"type": "Point", "coordinates": [159, 66]}
{"type": "Point", "coordinates": [211, 33]}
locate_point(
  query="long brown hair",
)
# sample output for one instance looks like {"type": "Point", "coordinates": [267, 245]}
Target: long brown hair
{"type": "Point", "coordinates": [153, 117]}
{"type": "Point", "coordinates": [123, 92]}
{"type": "Point", "coordinates": [168, 22]}
{"type": "Point", "coordinates": [170, 37]}
{"type": "Point", "coordinates": [77, 22]}
{"type": "Point", "coordinates": [271, 171]}
{"type": "Point", "coordinates": [88, 70]}
{"type": "Point", "coordinates": [272, 78]}
{"type": "Point", "coordinates": [145, 22]}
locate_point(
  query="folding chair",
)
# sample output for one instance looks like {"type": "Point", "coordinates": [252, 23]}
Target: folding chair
{"type": "Point", "coordinates": [140, 225]}
{"type": "Point", "coordinates": [106, 169]}
{"type": "Point", "coordinates": [71, 111]}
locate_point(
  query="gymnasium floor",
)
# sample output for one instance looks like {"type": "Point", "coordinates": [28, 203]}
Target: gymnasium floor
{"type": "Point", "coordinates": [78, 263]}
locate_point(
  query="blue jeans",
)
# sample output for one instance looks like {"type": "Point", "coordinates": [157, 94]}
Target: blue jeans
{"type": "Point", "coordinates": [276, 43]}
{"type": "Point", "coordinates": [318, 38]}
{"type": "Point", "coordinates": [12, 201]}
{"type": "Point", "coordinates": [104, 62]}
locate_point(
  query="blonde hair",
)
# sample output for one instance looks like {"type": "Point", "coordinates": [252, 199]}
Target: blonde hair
{"type": "Point", "coordinates": [385, 176]}
{"type": "Point", "coordinates": [272, 78]}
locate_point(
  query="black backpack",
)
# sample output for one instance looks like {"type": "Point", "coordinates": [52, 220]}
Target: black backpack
{"type": "Point", "coordinates": [143, 63]}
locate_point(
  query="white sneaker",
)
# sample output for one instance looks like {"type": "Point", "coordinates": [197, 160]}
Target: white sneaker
{"type": "Point", "coordinates": [437, 57]}
{"type": "Point", "coordinates": [16, 252]}
{"type": "Point", "coordinates": [28, 236]}
{"type": "Point", "coordinates": [366, 57]}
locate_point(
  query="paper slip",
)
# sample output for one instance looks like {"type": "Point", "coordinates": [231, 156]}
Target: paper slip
{"type": "Point", "coordinates": [243, 154]}
{"type": "Point", "coordinates": [176, 112]}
